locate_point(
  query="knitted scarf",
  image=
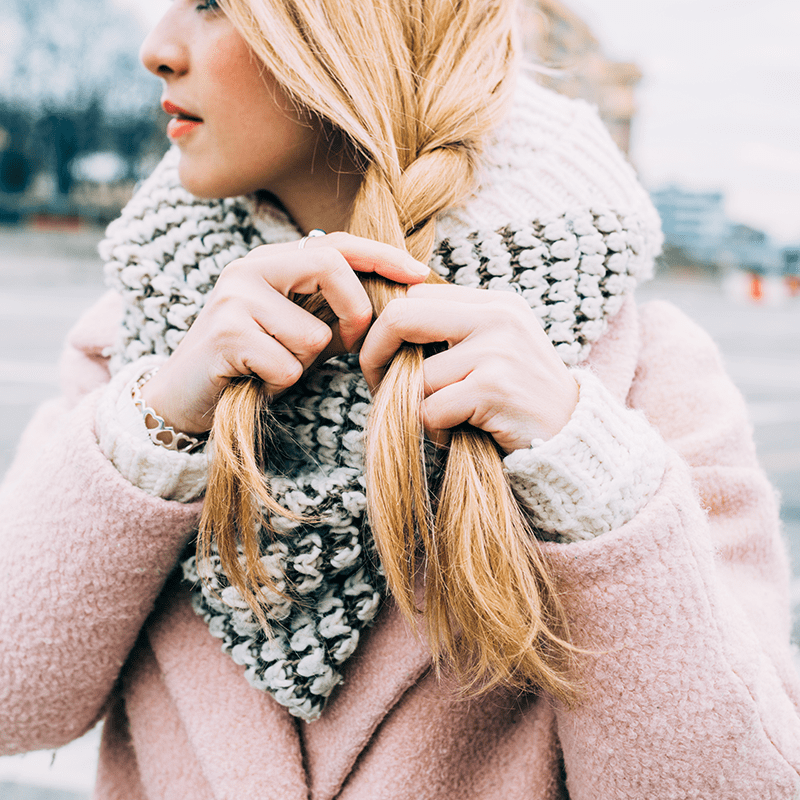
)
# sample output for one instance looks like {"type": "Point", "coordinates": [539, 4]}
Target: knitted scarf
{"type": "Point", "coordinates": [573, 265]}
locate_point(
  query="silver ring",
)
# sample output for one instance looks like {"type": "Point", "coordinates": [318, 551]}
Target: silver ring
{"type": "Point", "coordinates": [311, 235]}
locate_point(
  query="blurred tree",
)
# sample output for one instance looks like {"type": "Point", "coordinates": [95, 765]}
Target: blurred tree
{"type": "Point", "coordinates": [71, 53]}
{"type": "Point", "coordinates": [17, 165]}
{"type": "Point", "coordinates": [15, 172]}
{"type": "Point", "coordinates": [62, 132]}
{"type": "Point", "coordinates": [71, 83]}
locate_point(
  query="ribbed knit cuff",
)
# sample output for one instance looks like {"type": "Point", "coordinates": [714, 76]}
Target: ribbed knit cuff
{"type": "Point", "coordinates": [124, 440]}
{"type": "Point", "coordinates": [594, 475]}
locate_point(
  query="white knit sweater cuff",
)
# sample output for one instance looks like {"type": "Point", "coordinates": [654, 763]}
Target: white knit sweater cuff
{"type": "Point", "coordinates": [596, 474]}
{"type": "Point", "coordinates": [124, 440]}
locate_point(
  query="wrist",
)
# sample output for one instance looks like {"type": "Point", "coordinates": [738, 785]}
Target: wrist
{"type": "Point", "coordinates": [159, 429]}
{"type": "Point", "coordinates": [560, 410]}
{"type": "Point", "coordinates": [157, 393]}
{"type": "Point", "coordinates": [545, 423]}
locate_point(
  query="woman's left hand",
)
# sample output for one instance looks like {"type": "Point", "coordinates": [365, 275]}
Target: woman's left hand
{"type": "Point", "coordinates": [500, 372]}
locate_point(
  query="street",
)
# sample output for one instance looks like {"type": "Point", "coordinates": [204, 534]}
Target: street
{"type": "Point", "coordinates": [47, 278]}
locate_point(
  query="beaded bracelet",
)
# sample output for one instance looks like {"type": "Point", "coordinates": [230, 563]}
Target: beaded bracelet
{"type": "Point", "coordinates": [160, 433]}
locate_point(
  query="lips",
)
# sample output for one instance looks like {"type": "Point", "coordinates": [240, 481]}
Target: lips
{"type": "Point", "coordinates": [177, 111]}
{"type": "Point", "coordinates": [182, 121]}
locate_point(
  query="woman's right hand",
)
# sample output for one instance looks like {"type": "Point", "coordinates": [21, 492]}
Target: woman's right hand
{"type": "Point", "coordinates": [249, 326]}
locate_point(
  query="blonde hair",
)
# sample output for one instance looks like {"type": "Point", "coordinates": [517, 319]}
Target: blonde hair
{"type": "Point", "coordinates": [414, 86]}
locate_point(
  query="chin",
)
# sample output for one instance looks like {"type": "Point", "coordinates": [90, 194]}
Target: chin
{"type": "Point", "coordinates": [198, 184]}
{"type": "Point", "coordinates": [204, 183]}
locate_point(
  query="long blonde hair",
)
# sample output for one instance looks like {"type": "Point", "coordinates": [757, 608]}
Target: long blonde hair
{"type": "Point", "coordinates": [414, 86]}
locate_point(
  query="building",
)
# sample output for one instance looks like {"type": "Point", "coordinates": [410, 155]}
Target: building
{"type": "Point", "coordinates": [791, 261]}
{"type": "Point", "coordinates": [573, 64]}
{"type": "Point", "coordinates": [694, 222]}
{"type": "Point", "coordinates": [753, 251]}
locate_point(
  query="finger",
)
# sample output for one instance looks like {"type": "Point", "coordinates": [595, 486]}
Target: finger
{"type": "Point", "coordinates": [363, 255]}
{"type": "Point", "coordinates": [367, 255]}
{"type": "Point", "coordinates": [268, 359]}
{"type": "Point", "coordinates": [460, 294]}
{"type": "Point", "coordinates": [452, 405]}
{"type": "Point", "coordinates": [419, 321]}
{"type": "Point", "coordinates": [326, 271]}
{"type": "Point", "coordinates": [245, 305]}
{"type": "Point", "coordinates": [300, 332]}
{"type": "Point", "coordinates": [449, 366]}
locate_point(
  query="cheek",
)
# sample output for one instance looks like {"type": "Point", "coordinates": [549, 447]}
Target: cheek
{"type": "Point", "coordinates": [241, 81]}
{"type": "Point", "coordinates": [228, 67]}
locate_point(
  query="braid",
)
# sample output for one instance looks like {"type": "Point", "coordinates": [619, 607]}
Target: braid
{"type": "Point", "coordinates": [418, 107]}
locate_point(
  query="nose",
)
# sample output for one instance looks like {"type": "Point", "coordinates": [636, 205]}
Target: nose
{"type": "Point", "coordinates": [164, 52]}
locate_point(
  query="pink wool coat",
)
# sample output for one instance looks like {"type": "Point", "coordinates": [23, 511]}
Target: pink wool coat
{"type": "Point", "coordinates": [691, 692]}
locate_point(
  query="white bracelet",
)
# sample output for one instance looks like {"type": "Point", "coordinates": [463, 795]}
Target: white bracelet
{"type": "Point", "coordinates": [160, 433]}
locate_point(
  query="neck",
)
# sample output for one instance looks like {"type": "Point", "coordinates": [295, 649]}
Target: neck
{"type": "Point", "coordinates": [323, 196]}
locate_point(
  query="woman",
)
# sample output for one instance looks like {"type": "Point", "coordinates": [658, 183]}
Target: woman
{"type": "Point", "coordinates": [626, 445]}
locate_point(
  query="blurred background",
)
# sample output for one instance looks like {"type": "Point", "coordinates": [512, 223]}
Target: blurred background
{"type": "Point", "coordinates": [702, 95]}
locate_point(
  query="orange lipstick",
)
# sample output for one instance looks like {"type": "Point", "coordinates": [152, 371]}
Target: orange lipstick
{"type": "Point", "coordinates": [182, 121]}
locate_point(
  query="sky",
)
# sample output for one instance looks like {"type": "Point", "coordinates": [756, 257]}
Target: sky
{"type": "Point", "coordinates": [719, 104]}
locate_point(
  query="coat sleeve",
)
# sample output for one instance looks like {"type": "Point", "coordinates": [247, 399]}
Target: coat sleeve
{"type": "Point", "coordinates": [690, 689]}
{"type": "Point", "coordinates": [84, 557]}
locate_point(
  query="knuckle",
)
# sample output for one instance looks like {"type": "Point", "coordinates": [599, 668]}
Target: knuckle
{"type": "Point", "coordinates": [509, 311]}
{"type": "Point", "coordinates": [500, 305]}
{"type": "Point", "coordinates": [316, 338]}
{"type": "Point", "coordinates": [233, 266]}
{"type": "Point", "coordinates": [236, 270]}
{"type": "Point", "coordinates": [286, 374]}
{"type": "Point", "coordinates": [224, 288]}
{"type": "Point", "coordinates": [519, 306]}
{"type": "Point", "coordinates": [235, 281]}
{"type": "Point", "coordinates": [339, 239]}
{"type": "Point", "coordinates": [507, 301]}
{"type": "Point", "coordinates": [394, 312]}
{"type": "Point", "coordinates": [217, 316]}
{"type": "Point", "coordinates": [258, 266]}
{"type": "Point", "coordinates": [362, 312]}
{"type": "Point", "coordinates": [516, 300]}
{"type": "Point", "coordinates": [257, 252]}
{"type": "Point", "coordinates": [224, 295]}
{"type": "Point", "coordinates": [491, 375]}
{"type": "Point", "coordinates": [330, 259]}
{"type": "Point", "coordinates": [228, 340]}
{"type": "Point", "coordinates": [522, 308]}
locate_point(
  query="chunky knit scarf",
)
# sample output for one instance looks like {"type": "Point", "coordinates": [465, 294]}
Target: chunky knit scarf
{"type": "Point", "coordinates": [574, 265]}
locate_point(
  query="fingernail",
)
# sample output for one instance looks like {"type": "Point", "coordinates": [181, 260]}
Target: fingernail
{"type": "Point", "coordinates": [418, 267]}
